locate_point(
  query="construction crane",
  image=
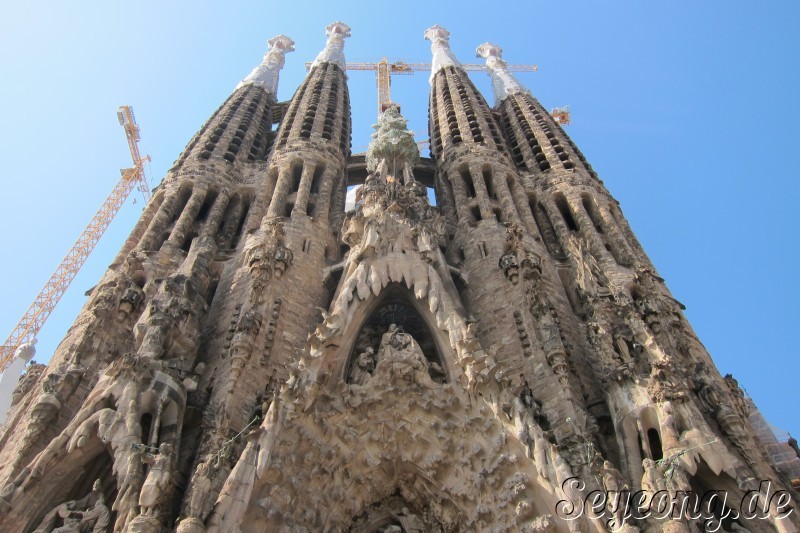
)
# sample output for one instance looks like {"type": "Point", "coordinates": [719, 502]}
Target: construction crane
{"type": "Point", "coordinates": [384, 70]}
{"type": "Point", "coordinates": [36, 315]}
{"type": "Point", "coordinates": [561, 115]}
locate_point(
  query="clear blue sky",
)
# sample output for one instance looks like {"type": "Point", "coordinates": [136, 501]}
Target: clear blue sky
{"type": "Point", "coordinates": [687, 110]}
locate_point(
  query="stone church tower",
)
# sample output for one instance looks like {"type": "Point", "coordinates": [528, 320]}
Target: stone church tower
{"type": "Point", "coordinates": [257, 358]}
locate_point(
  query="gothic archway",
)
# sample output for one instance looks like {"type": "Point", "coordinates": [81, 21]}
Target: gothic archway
{"type": "Point", "coordinates": [397, 305]}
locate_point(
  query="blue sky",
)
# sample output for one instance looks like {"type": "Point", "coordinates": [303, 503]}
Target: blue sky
{"type": "Point", "coordinates": [687, 110]}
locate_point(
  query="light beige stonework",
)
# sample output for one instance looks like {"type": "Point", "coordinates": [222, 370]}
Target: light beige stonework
{"type": "Point", "coordinates": [258, 359]}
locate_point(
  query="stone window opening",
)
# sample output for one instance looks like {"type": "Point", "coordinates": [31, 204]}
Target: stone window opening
{"type": "Point", "coordinates": [488, 179]}
{"type": "Point", "coordinates": [545, 226]}
{"type": "Point", "coordinates": [566, 213]}
{"type": "Point", "coordinates": [654, 439]}
{"type": "Point", "coordinates": [246, 201]}
{"type": "Point", "coordinates": [467, 177]}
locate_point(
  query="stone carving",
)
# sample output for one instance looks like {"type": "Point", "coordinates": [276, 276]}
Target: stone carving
{"type": "Point", "coordinates": [363, 367]}
{"type": "Point", "coordinates": [266, 258]}
{"type": "Point", "coordinates": [200, 501]}
{"type": "Point", "coordinates": [664, 384]}
{"type": "Point", "coordinates": [510, 266]}
{"type": "Point", "coordinates": [529, 432]}
{"type": "Point", "coordinates": [57, 387]}
{"type": "Point", "coordinates": [26, 351]}
{"type": "Point", "coordinates": [669, 433]}
{"type": "Point", "coordinates": [26, 382]}
{"type": "Point", "coordinates": [90, 513]}
{"type": "Point", "coordinates": [590, 279]}
{"type": "Point", "coordinates": [440, 48]}
{"type": "Point", "coordinates": [653, 478]}
{"type": "Point", "coordinates": [158, 481]}
{"type": "Point", "coordinates": [393, 143]}
{"type": "Point", "coordinates": [171, 319]}
{"type": "Point", "coordinates": [400, 356]}
{"type": "Point", "coordinates": [614, 484]}
{"type": "Point", "coordinates": [131, 298]}
{"type": "Point", "coordinates": [503, 82]}
{"type": "Point", "coordinates": [518, 259]}
{"type": "Point", "coordinates": [334, 46]}
{"type": "Point", "coordinates": [242, 343]}
{"type": "Point", "coordinates": [266, 74]}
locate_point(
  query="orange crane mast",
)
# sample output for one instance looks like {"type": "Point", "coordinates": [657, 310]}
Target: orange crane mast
{"type": "Point", "coordinates": [36, 315]}
{"type": "Point", "coordinates": [384, 70]}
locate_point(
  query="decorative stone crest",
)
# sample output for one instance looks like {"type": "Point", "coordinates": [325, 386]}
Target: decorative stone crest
{"type": "Point", "coordinates": [503, 82]}
{"type": "Point", "coordinates": [334, 47]}
{"type": "Point", "coordinates": [266, 74]}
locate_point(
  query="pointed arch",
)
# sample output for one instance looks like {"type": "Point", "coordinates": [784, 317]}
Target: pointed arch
{"type": "Point", "coordinates": [71, 479]}
{"type": "Point", "coordinates": [396, 304]}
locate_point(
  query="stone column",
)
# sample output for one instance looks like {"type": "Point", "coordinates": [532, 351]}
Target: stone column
{"type": "Point", "coordinates": [523, 208]}
{"type": "Point", "coordinates": [278, 203]}
{"type": "Point", "coordinates": [187, 217]}
{"type": "Point", "coordinates": [305, 187]}
{"type": "Point", "coordinates": [216, 214]}
{"type": "Point", "coordinates": [262, 201]}
{"type": "Point", "coordinates": [481, 193]}
{"type": "Point", "coordinates": [626, 256]}
{"type": "Point", "coordinates": [141, 227]}
{"type": "Point", "coordinates": [504, 195]}
{"type": "Point", "coordinates": [587, 228]}
{"type": "Point", "coordinates": [231, 223]}
{"type": "Point", "coordinates": [325, 197]}
{"type": "Point", "coordinates": [556, 220]}
{"type": "Point", "coordinates": [459, 195]}
{"type": "Point", "coordinates": [159, 222]}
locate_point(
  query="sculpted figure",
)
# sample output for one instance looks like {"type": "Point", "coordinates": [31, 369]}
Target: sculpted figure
{"type": "Point", "coordinates": [653, 477]}
{"type": "Point", "coordinates": [98, 517]}
{"type": "Point", "coordinates": [669, 433]}
{"type": "Point", "coordinates": [510, 267]}
{"type": "Point", "coordinates": [130, 300]}
{"type": "Point", "coordinates": [614, 484]}
{"type": "Point", "coordinates": [87, 514]}
{"type": "Point", "coordinates": [72, 524]}
{"type": "Point", "coordinates": [157, 483]}
{"type": "Point", "coordinates": [363, 367]}
{"type": "Point", "coordinates": [385, 348]}
{"type": "Point", "coordinates": [411, 523]}
{"type": "Point", "coordinates": [26, 350]}
{"type": "Point", "coordinates": [676, 478]}
{"type": "Point", "coordinates": [201, 489]}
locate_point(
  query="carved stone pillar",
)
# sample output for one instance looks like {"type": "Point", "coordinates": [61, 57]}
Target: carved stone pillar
{"type": "Point", "coordinates": [621, 247]}
{"type": "Point", "coordinates": [215, 216]}
{"type": "Point", "coordinates": [588, 228]}
{"type": "Point", "coordinates": [304, 190]}
{"type": "Point", "coordinates": [504, 195]}
{"type": "Point", "coordinates": [159, 222]}
{"type": "Point", "coordinates": [459, 195]}
{"type": "Point", "coordinates": [481, 193]}
{"type": "Point", "coordinates": [278, 203]}
{"type": "Point", "coordinates": [187, 217]}
{"type": "Point", "coordinates": [524, 210]}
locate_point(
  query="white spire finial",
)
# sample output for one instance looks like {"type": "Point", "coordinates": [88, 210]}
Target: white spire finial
{"type": "Point", "coordinates": [266, 74]}
{"type": "Point", "coordinates": [334, 47]}
{"type": "Point", "coordinates": [440, 46]}
{"type": "Point", "coordinates": [503, 82]}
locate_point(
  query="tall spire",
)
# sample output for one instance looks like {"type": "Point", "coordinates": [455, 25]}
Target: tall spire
{"type": "Point", "coordinates": [266, 74]}
{"type": "Point", "coordinates": [334, 47]}
{"type": "Point", "coordinates": [503, 82]}
{"type": "Point", "coordinates": [440, 46]}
